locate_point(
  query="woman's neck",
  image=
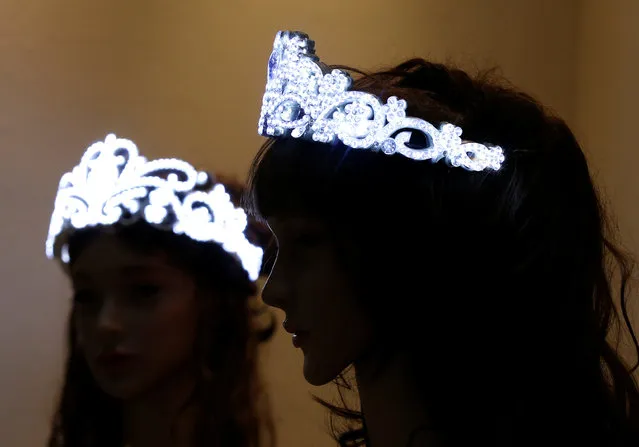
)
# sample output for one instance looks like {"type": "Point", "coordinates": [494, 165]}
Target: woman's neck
{"type": "Point", "coordinates": [161, 418]}
{"type": "Point", "coordinates": [394, 413]}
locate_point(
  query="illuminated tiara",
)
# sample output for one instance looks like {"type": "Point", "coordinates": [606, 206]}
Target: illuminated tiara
{"type": "Point", "coordinates": [114, 184]}
{"type": "Point", "coordinates": [306, 99]}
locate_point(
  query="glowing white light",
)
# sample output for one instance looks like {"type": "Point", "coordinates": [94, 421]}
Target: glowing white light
{"type": "Point", "coordinates": [113, 183]}
{"type": "Point", "coordinates": [202, 178]}
{"type": "Point", "coordinates": [64, 254]}
{"type": "Point", "coordinates": [304, 99]}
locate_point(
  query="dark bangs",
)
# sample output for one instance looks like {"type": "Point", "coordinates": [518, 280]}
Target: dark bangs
{"type": "Point", "coordinates": [299, 177]}
{"type": "Point", "coordinates": [362, 188]}
{"type": "Point", "coordinates": [292, 177]}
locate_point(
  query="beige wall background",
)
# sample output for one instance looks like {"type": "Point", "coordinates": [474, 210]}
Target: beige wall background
{"type": "Point", "coordinates": [185, 79]}
{"type": "Point", "coordinates": [606, 103]}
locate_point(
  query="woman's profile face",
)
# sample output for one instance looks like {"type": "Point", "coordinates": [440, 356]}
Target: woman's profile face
{"type": "Point", "coordinates": [308, 283]}
{"type": "Point", "coordinates": [135, 316]}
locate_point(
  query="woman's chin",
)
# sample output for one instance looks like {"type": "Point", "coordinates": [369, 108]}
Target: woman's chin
{"type": "Point", "coordinates": [318, 373]}
{"type": "Point", "coordinates": [120, 389]}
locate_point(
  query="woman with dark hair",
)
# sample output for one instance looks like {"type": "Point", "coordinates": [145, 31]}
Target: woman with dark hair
{"type": "Point", "coordinates": [468, 278]}
{"type": "Point", "coordinates": [162, 340]}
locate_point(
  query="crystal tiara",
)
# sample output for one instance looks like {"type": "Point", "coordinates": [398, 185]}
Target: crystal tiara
{"type": "Point", "coordinates": [306, 99]}
{"type": "Point", "coordinates": [113, 183]}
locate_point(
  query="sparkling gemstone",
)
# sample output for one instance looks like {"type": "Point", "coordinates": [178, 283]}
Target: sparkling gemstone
{"type": "Point", "coordinates": [297, 132]}
{"type": "Point", "coordinates": [273, 63]}
{"type": "Point", "coordinates": [389, 147]}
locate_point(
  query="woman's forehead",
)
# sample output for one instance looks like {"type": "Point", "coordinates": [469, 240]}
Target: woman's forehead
{"type": "Point", "coordinates": [107, 253]}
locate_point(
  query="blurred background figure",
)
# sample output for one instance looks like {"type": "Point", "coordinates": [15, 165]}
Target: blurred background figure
{"type": "Point", "coordinates": [186, 79]}
{"type": "Point", "coordinates": [162, 346]}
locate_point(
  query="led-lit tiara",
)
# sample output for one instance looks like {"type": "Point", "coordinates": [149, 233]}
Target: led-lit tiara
{"type": "Point", "coordinates": [114, 184]}
{"type": "Point", "coordinates": [306, 99]}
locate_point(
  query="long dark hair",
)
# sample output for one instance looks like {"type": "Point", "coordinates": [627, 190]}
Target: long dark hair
{"type": "Point", "coordinates": [501, 282]}
{"type": "Point", "coordinates": [232, 407]}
